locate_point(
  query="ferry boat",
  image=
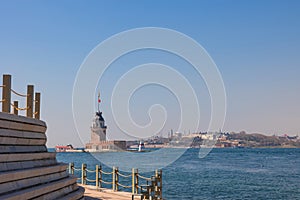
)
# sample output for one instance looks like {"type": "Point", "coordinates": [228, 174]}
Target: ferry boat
{"type": "Point", "coordinates": [67, 148]}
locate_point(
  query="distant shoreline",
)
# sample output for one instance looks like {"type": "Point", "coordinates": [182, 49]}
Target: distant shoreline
{"type": "Point", "coordinates": [52, 149]}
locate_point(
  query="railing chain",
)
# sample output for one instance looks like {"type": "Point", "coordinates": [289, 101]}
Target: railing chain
{"type": "Point", "coordinates": [108, 183]}
{"type": "Point", "coordinates": [106, 173]}
{"type": "Point", "coordinates": [15, 107]}
{"type": "Point", "coordinates": [77, 169]}
{"type": "Point", "coordinates": [19, 94]}
{"type": "Point", "coordinates": [124, 186]}
{"type": "Point", "coordinates": [91, 171]}
{"type": "Point", "coordinates": [125, 176]}
{"type": "Point", "coordinates": [90, 180]}
{"type": "Point", "coordinates": [143, 177]}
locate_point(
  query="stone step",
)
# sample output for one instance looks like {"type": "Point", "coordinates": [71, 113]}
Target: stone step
{"type": "Point", "coordinates": [38, 191]}
{"type": "Point", "coordinates": [26, 164]}
{"type": "Point", "coordinates": [4, 140]}
{"type": "Point", "coordinates": [9, 187]}
{"type": "Point", "coordinates": [75, 195]}
{"type": "Point", "coordinates": [22, 119]}
{"type": "Point", "coordinates": [21, 134]}
{"type": "Point", "coordinates": [25, 156]}
{"type": "Point", "coordinates": [22, 149]}
{"type": "Point", "coordinates": [61, 192]}
{"type": "Point", "coordinates": [5, 124]}
{"type": "Point", "coordinates": [28, 173]}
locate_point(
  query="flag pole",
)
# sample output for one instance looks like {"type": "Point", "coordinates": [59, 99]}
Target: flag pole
{"type": "Point", "coordinates": [99, 101]}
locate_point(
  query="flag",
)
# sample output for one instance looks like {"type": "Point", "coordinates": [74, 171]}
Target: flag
{"type": "Point", "coordinates": [99, 100]}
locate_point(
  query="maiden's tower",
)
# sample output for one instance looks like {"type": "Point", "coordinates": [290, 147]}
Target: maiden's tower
{"type": "Point", "coordinates": [99, 142]}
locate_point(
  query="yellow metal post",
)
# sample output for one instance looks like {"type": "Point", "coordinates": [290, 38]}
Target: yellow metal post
{"type": "Point", "coordinates": [29, 101]}
{"type": "Point", "coordinates": [6, 93]}
{"type": "Point", "coordinates": [16, 104]}
{"type": "Point", "coordinates": [37, 104]}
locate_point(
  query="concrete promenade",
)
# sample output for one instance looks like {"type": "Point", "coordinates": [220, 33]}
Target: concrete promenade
{"type": "Point", "coordinates": [91, 193]}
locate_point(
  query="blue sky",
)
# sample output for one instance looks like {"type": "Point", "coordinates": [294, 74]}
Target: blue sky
{"type": "Point", "coordinates": [255, 45]}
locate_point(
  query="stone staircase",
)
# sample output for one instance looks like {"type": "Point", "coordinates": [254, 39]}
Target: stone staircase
{"type": "Point", "coordinates": [27, 169]}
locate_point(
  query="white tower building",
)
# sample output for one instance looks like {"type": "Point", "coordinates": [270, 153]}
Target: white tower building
{"type": "Point", "coordinates": [98, 129]}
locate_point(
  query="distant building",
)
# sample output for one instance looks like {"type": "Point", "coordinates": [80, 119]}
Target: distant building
{"type": "Point", "coordinates": [98, 129]}
{"type": "Point", "coordinates": [98, 142]}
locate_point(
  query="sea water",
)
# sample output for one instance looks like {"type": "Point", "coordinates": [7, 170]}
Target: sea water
{"type": "Point", "coordinates": [227, 173]}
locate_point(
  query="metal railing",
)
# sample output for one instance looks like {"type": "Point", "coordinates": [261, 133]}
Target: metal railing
{"type": "Point", "coordinates": [151, 190]}
{"type": "Point", "coordinates": [32, 101]}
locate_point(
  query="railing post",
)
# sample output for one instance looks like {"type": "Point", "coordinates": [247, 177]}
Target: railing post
{"type": "Point", "coordinates": [117, 178]}
{"type": "Point", "coordinates": [113, 179]}
{"type": "Point", "coordinates": [156, 189]}
{"type": "Point", "coordinates": [6, 93]}
{"type": "Point", "coordinates": [37, 104]}
{"type": "Point", "coordinates": [100, 176]}
{"type": "Point", "coordinates": [133, 181]}
{"type": "Point", "coordinates": [97, 176]}
{"type": "Point", "coordinates": [148, 194]}
{"type": "Point", "coordinates": [29, 102]}
{"type": "Point", "coordinates": [160, 184]}
{"type": "Point", "coordinates": [136, 181]}
{"type": "Point", "coordinates": [16, 104]}
{"type": "Point", "coordinates": [152, 192]}
{"type": "Point", "coordinates": [83, 174]}
{"type": "Point", "coordinates": [71, 168]}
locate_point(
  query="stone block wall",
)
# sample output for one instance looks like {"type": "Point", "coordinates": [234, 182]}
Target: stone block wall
{"type": "Point", "coordinates": [27, 169]}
